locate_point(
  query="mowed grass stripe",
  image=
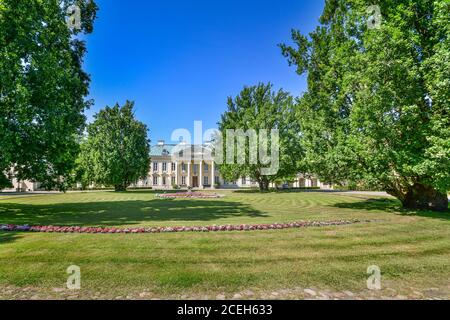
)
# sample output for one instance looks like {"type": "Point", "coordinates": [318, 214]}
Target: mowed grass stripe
{"type": "Point", "coordinates": [411, 248]}
{"type": "Point", "coordinates": [265, 265]}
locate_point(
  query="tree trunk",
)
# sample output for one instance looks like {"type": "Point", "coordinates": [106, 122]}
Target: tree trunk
{"type": "Point", "coordinates": [425, 197]}
{"type": "Point", "coordinates": [263, 185]}
{"type": "Point", "coordinates": [120, 188]}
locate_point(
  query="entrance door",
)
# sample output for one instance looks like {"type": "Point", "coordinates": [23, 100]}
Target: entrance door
{"type": "Point", "coordinates": [195, 182]}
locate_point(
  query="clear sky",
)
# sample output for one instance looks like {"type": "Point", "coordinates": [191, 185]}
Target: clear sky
{"type": "Point", "coordinates": [180, 60]}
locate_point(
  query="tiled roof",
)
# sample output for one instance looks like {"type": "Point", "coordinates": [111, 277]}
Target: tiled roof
{"type": "Point", "coordinates": [165, 150]}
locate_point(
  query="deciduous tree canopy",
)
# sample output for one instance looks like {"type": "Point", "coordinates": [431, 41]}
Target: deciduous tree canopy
{"type": "Point", "coordinates": [117, 150]}
{"type": "Point", "coordinates": [42, 88]}
{"type": "Point", "coordinates": [377, 106]}
{"type": "Point", "coordinates": [261, 109]}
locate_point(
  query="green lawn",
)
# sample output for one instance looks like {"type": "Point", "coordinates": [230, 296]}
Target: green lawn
{"type": "Point", "coordinates": [411, 248]}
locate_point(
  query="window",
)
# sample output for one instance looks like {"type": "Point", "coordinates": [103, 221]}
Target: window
{"type": "Point", "coordinates": [155, 166]}
{"type": "Point", "coordinates": [217, 179]}
{"type": "Point", "coordinates": [155, 181]}
{"type": "Point", "coordinates": [205, 181]}
{"type": "Point", "coordinates": [174, 167]}
{"type": "Point", "coordinates": [164, 165]}
{"type": "Point", "coordinates": [206, 167]}
{"type": "Point", "coordinates": [184, 167]}
{"type": "Point", "coordinates": [244, 181]}
{"type": "Point", "coordinates": [183, 181]}
{"type": "Point", "coordinates": [173, 180]}
{"type": "Point", "coordinates": [164, 181]}
{"type": "Point", "coordinates": [195, 168]}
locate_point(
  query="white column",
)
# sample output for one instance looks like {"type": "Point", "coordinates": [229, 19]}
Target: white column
{"type": "Point", "coordinates": [213, 175]}
{"type": "Point", "coordinates": [200, 183]}
{"type": "Point", "coordinates": [176, 173]}
{"type": "Point", "coordinates": [160, 170]}
{"type": "Point", "coordinates": [189, 174]}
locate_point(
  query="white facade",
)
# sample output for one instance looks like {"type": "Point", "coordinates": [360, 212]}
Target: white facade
{"type": "Point", "coordinates": [192, 167]}
{"type": "Point", "coordinates": [23, 186]}
{"type": "Point", "coordinates": [170, 168]}
{"type": "Point", "coordinates": [306, 181]}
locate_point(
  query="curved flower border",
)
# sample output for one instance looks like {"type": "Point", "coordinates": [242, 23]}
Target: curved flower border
{"type": "Point", "coordinates": [214, 228]}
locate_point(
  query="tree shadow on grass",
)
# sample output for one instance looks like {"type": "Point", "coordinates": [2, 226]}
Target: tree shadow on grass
{"type": "Point", "coordinates": [391, 206]}
{"type": "Point", "coordinates": [273, 190]}
{"type": "Point", "coordinates": [144, 191]}
{"type": "Point", "coordinates": [154, 191]}
{"type": "Point", "coordinates": [7, 237]}
{"type": "Point", "coordinates": [118, 213]}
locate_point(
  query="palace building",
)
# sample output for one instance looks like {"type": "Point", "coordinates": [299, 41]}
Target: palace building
{"type": "Point", "coordinates": [192, 166]}
{"type": "Point", "coordinates": [183, 166]}
{"type": "Point", "coordinates": [186, 166]}
{"type": "Point", "coordinates": [23, 186]}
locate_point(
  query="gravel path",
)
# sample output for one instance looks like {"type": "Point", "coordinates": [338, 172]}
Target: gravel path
{"type": "Point", "coordinates": [29, 293]}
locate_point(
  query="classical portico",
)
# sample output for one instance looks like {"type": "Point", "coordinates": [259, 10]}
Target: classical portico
{"type": "Point", "coordinates": [191, 166]}
{"type": "Point", "coordinates": [183, 166]}
{"type": "Point", "coordinates": [196, 174]}
{"type": "Point", "coordinates": [187, 166]}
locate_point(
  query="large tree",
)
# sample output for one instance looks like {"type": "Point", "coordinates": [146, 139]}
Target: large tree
{"type": "Point", "coordinates": [117, 149]}
{"type": "Point", "coordinates": [42, 87]}
{"type": "Point", "coordinates": [261, 109]}
{"type": "Point", "coordinates": [377, 108]}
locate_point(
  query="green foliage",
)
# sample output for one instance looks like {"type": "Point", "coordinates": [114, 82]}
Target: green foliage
{"type": "Point", "coordinates": [259, 108]}
{"type": "Point", "coordinates": [42, 88]}
{"type": "Point", "coordinates": [116, 151]}
{"type": "Point", "coordinates": [377, 107]}
{"type": "Point", "coordinates": [5, 182]}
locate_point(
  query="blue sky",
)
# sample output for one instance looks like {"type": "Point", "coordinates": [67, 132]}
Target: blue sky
{"type": "Point", "coordinates": [180, 60]}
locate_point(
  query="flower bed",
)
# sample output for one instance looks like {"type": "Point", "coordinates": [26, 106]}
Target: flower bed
{"type": "Point", "coordinates": [188, 195]}
{"type": "Point", "coordinates": [214, 228]}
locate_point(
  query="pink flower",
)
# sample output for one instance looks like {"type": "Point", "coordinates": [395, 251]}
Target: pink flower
{"type": "Point", "coordinates": [213, 228]}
